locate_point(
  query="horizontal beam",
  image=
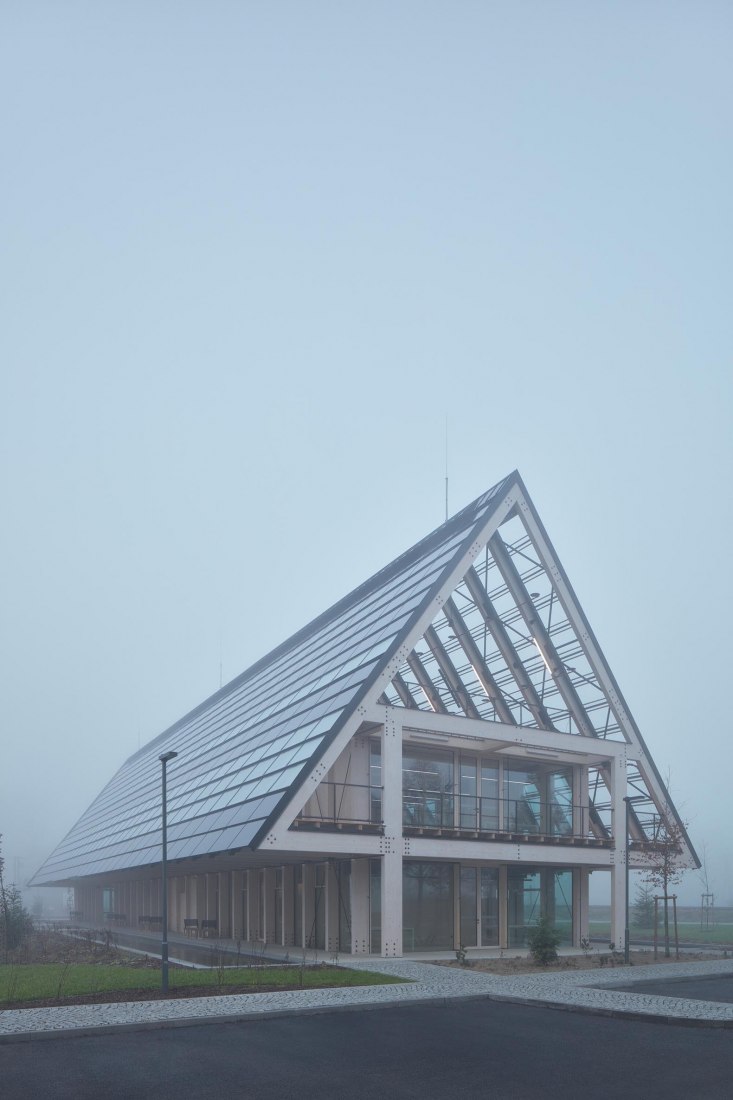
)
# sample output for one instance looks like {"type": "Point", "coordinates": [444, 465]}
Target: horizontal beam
{"type": "Point", "coordinates": [505, 852]}
{"type": "Point", "coordinates": [455, 726]}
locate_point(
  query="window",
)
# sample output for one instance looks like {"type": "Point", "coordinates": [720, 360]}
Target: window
{"type": "Point", "coordinates": [427, 905]}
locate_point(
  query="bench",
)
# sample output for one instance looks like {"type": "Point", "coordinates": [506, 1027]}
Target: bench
{"type": "Point", "coordinates": [150, 922]}
{"type": "Point", "coordinates": [116, 918]}
{"type": "Point", "coordinates": [190, 926]}
{"type": "Point", "coordinates": [209, 927]}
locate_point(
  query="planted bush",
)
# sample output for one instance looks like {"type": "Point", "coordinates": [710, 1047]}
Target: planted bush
{"type": "Point", "coordinates": [543, 941]}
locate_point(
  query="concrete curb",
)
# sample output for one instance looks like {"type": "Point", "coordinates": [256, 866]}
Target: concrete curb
{"type": "Point", "coordinates": [441, 1001]}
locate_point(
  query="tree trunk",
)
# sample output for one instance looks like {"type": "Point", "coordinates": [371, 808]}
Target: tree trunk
{"type": "Point", "coordinates": [666, 926]}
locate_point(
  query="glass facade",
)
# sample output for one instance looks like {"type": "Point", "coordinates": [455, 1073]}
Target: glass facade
{"type": "Point", "coordinates": [442, 789]}
{"type": "Point", "coordinates": [533, 892]}
{"type": "Point", "coordinates": [427, 905]}
{"type": "Point", "coordinates": [489, 906]}
{"type": "Point", "coordinates": [427, 787]}
{"type": "Point", "coordinates": [469, 898]}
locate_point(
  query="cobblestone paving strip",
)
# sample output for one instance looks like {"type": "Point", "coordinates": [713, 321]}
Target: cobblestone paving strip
{"type": "Point", "coordinates": [581, 990]}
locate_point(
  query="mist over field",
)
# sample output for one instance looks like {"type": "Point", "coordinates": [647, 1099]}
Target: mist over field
{"type": "Point", "coordinates": [261, 261]}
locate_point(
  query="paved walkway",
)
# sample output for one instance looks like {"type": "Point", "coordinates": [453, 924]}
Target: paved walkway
{"type": "Point", "coordinates": [585, 990]}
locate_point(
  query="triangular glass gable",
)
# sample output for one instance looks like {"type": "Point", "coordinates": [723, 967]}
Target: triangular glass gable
{"type": "Point", "coordinates": [506, 647]}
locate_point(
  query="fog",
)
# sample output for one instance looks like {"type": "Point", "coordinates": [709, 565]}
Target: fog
{"type": "Point", "coordinates": [256, 254]}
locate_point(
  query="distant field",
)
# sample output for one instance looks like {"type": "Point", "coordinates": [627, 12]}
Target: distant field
{"type": "Point", "coordinates": [721, 936]}
{"type": "Point", "coordinates": [690, 929]}
{"type": "Point", "coordinates": [688, 913]}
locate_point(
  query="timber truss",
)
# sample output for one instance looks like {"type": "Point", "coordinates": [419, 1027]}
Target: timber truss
{"type": "Point", "coordinates": [506, 642]}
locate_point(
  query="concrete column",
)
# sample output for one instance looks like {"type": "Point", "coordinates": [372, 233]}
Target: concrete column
{"type": "Point", "coordinates": [391, 845]}
{"type": "Point", "coordinates": [309, 926]}
{"type": "Point", "coordinates": [268, 934]}
{"type": "Point", "coordinates": [332, 908]}
{"type": "Point", "coordinates": [225, 904]}
{"type": "Point", "coordinates": [199, 886]}
{"type": "Point", "coordinates": [253, 905]}
{"type": "Point", "coordinates": [288, 906]}
{"type": "Point", "coordinates": [235, 906]}
{"type": "Point", "coordinates": [618, 868]}
{"type": "Point", "coordinates": [172, 902]}
{"type": "Point", "coordinates": [360, 907]}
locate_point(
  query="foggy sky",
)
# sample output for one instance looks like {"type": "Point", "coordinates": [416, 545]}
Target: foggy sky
{"type": "Point", "coordinates": [254, 254]}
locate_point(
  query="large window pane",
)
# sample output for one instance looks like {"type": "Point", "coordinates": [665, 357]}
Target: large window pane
{"type": "Point", "coordinates": [560, 798]}
{"type": "Point", "coordinates": [523, 903]}
{"type": "Point", "coordinates": [427, 900]}
{"type": "Point", "coordinates": [468, 907]}
{"type": "Point", "coordinates": [522, 801]}
{"type": "Point", "coordinates": [489, 796]}
{"type": "Point", "coordinates": [427, 785]}
{"type": "Point", "coordinates": [535, 892]}
{"type": "Point", "coordinates": [489, 906]}
{"type": "Point", "coordinates": [560, 903]}
{"type": "Point", "coordinates": [469, 800]}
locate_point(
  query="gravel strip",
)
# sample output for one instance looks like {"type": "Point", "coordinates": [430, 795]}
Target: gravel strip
{"type": "Point", "coordinates": [582, 991]}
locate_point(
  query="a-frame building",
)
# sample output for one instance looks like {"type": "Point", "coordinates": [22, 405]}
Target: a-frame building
{"type": "Point", "coordinates": [435, 761]}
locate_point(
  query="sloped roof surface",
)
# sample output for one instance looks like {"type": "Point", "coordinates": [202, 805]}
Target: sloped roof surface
{"type": "Point", "coordinates": [245, 748]}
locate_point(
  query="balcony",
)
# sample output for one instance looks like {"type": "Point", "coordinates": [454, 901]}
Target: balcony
{"type": "Point", "coordinates": [343, 807]}
{"type": "Point", "coordinates": [354, 807]}
{"type": "Point", "coordinates": [483, 818]}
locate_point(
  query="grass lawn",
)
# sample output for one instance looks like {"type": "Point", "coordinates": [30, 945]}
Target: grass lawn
{"type": "Point", "coordinates": [57, 981]}
{"type": "Point", "coordinates": [688, 933]}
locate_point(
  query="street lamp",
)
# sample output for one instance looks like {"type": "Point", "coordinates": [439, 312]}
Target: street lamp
{"type": "Point", "coordinates": [164, 758]}
{"type": "Point", "coordinates": [627, 800]}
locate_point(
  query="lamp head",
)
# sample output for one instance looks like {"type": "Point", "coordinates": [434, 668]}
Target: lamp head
{"type": "Point", "coordinates": [166, 756]}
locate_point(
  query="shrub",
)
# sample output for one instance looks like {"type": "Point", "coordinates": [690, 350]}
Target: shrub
{"type": "Point", "coordinates": [543, 941]}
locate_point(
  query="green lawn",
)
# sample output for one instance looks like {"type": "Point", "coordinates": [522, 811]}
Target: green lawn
{"type": "Point", "coordinates": [688, 933]}
{"type": "Point", "coordinates": [54, 980]}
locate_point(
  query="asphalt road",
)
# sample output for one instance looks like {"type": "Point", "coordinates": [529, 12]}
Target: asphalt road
{"type": "Point", "coordinates": [478, 1049]}
{"type": "Point", "coordinates": [718, 988]}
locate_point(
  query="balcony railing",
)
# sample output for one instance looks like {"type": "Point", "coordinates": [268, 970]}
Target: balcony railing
{"type": "Point", "coordinates": [357, 807]}
{"type": "Point", "coordinates": [428, 810]}
{"type": "Point", "coordinates": [350, 806]}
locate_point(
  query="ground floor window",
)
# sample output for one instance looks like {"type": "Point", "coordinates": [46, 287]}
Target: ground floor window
{"type": "Point", "coordinates": [533, 892]}
{"type": "Point", "coordinates": [427, 905]}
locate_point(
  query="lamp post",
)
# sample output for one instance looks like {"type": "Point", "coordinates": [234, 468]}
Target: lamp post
{"type": "Point", "coordinates": [627, 800]}
{"type": "Point", "coordinates": [164, 758]}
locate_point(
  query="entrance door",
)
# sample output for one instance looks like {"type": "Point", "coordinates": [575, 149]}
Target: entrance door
{"type": "Point", "coordinates": [479, 906]}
